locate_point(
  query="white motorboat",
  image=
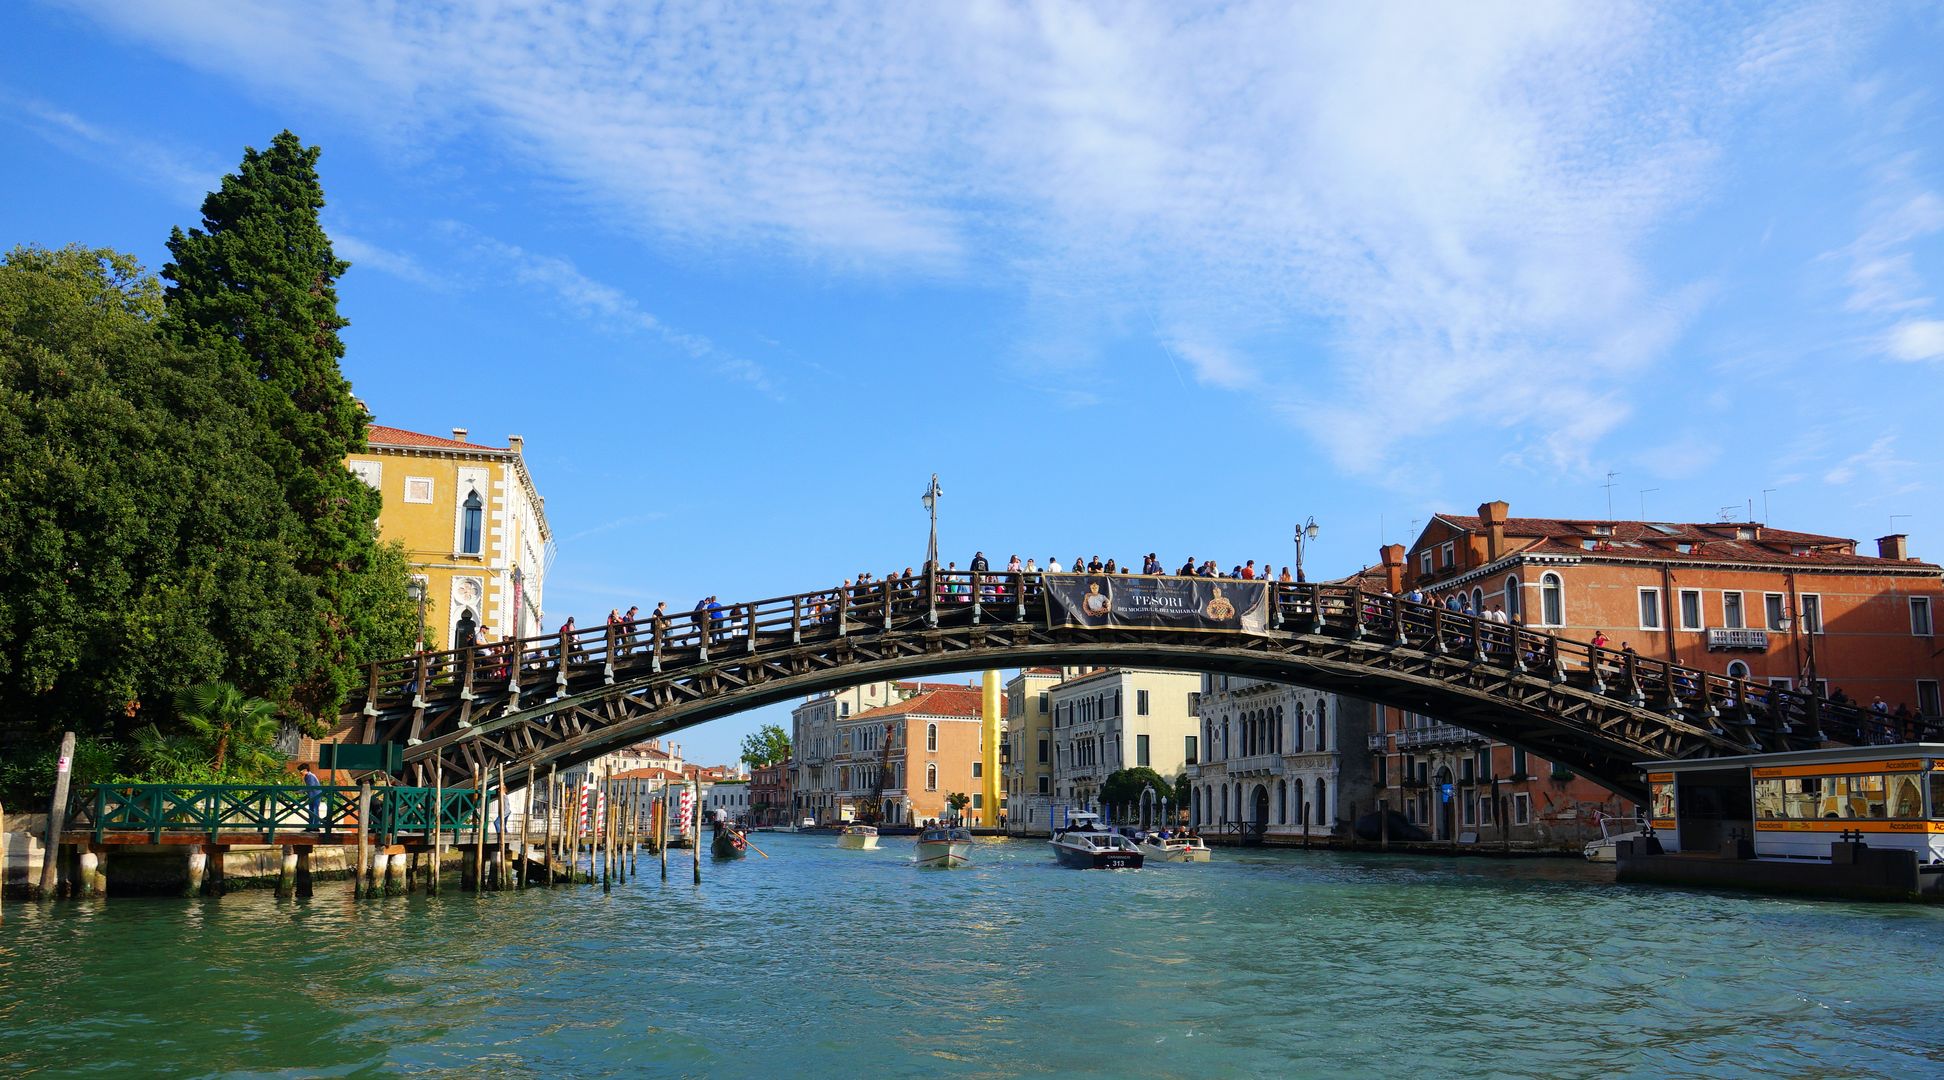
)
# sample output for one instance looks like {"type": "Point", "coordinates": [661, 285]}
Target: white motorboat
{"type": "Point", "coordinates": [1174, 849]}
{"type": "Point", "coordinates": [857, 838]}
{"type": "Point", "coordinates": [1084, 845]}
{"type": "Point", "coordinates": [1604, 849]}
{"type": "Point", "coordinates": [944, 847]}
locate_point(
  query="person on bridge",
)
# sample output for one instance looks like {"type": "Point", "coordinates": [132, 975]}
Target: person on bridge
{"type": "Point", "coordinates": [1053, 565]}
{"type": "Point", "coordinates": [1013, 565]}
{"type": "Point", "coordinates": [1187, 568]}
{"type": "Point", "coordinates": [1248, 571]}
{"type": "Point", "coordinates": [979, 564]}
{"type": "Point", "coordinates": [1031, 566]}
{"type": "Point", "coordinates": [314, 795]}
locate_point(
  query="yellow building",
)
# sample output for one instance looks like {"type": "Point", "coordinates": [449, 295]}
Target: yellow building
{"type": "Point", "coordinates": [473, 526]}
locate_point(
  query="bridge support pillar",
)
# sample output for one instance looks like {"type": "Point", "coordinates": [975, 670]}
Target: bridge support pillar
{"type": "Point", "coordinates": [287, 874]}
{"type": "Point", "coordinates": [213, 883]}
{"type": "Point", "coordinates": [94, 875]}
{"type": "Point", "coordinates": [197, 862]}
{"type": "Point", "coordinates": [395, 873]}
{"type": "Point", "coordinates": [468, 869]}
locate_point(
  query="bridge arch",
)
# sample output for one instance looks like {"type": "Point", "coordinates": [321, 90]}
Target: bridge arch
{"type": "Point", "coordinates": [573, 696]}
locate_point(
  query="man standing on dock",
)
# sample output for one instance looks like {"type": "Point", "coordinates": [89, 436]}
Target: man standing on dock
{"type": "Point", "coordinates": [313, 790]}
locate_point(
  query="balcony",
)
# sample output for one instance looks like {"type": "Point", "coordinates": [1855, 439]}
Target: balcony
{"type": "Point", "coordinates": [1375, 740]}
{"type": "Point", "coordinates": [1255, 763]}
{"type": "Point", "coordinates": [1436, 735]}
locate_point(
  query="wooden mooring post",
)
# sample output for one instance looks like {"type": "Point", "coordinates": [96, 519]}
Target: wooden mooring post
{"type": "Point", "coordinates": [479, 832]}
{"type": "Point", "coordinates": [50, 879]}
{"type": "Point", "coordinates": [500, 867]}
{"type": "Point", "coordinates": [436, 831]}
{"type": "Point", "coordinates": [547, 840]}
{"type": "Point", "coordinates": [526, 816]}
{"type": "Point", "coordinates": [695, 827]}
{"type": "Point", "coordinates": [661, 828]}
{"type": "Point", "coordinates": [364, 841]}
{"type": "Point", "coordinates": [3, 861]}
{"type": "Point", "coordinates": [604, 832]}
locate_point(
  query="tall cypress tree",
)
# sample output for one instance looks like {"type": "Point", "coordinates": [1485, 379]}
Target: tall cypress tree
{"type": "Point", "coordinates": [256, 288]}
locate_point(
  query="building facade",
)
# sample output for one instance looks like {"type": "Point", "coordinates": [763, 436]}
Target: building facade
{"type": "Point", "coordinates": [1107, 719]}
{"type": "Point", "coordinates": [1282, 762]}
{"type": "Point", "coordinates": [1734, 598]}
{"type": "Point", "coordinates": [770, 801]}
{"type": "Point", "coordinates": [474, 529]}
{"type": "Point", "coordinates": [901, 763]}
{"type": "Point", "coordinates": [835, 759]}
{"type": "Point", "coordinates": [1456, 786]}
{"type": "Point", "coordinates": [1029, 749]}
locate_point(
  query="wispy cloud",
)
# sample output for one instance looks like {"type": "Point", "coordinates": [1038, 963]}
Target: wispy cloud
{"type": "Point", "coordinates": [605, 305]}
{"type": "Point", "coordinates": [364, 254]}
{"type": "Point", "coordinates": [167, 168]}
{"type": "Point", "coordinates": [1450, 209]}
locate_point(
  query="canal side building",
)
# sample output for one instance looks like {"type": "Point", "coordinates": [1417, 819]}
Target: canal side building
{"type": "Point", "coordinates": [1280, 762]}
{"type": "Point", "coordinates": [1108, 719]}
{"type": "Point", "coordinates": [474, 528]}
{"type": "Point", "coordinates": [1029, 749]}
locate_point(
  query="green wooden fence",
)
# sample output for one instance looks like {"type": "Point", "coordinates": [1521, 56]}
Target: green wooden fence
{"type": "Point", "coordinates": [267, 810]}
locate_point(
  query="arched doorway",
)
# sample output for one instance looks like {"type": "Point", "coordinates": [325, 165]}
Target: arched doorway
{"type": "Point", "coordinates": [1446, 805]}
{"type": "Point", "coordinates": [1261, 818]}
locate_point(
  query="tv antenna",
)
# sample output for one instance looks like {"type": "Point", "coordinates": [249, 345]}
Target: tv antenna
{"type": "Point", "coordinates": [1644, 492]}
{"type": "Point", "coordinates": [1611, 476]}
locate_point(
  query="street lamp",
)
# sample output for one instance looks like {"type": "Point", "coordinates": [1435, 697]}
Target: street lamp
{"type": "Point", "coordinates": [1305, 533]}
{"type": "Point", "coordinates": [930, 498]}
{"type": "Point", "coordinates": [416, 590]}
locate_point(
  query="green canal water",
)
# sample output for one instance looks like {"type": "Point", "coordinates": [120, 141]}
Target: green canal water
{"type": "Point", "coordinates": [827, 963]}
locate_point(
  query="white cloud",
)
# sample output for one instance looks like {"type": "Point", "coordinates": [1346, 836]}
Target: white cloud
{"type": "Point", "coordinates": [1449, 209]}
{"type": "Point", "coordinates": [605, 305]}
{"type": "Point", "coordinates": [160, 166]}
{"type": "Point", "coordinates": [1917, 339]}
{"type": "Point", "coordinates": [363, 254]}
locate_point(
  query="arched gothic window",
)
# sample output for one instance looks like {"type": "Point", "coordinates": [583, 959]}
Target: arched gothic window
{"type": "Point", "coordinates": [931, 736]}
{"type": "Point", "coordinates": [1282, 802]}
{"type": "Point", "coordinates": [1511, 597]}
{"type": "Point", "coordinates": [1323, 803]}
{"type": "Point", "coordinates": [1739, 670]}
{"type": "Point", "coordinates": [472, 525]}
{"type": "Point", "coordinates": [931, 778]}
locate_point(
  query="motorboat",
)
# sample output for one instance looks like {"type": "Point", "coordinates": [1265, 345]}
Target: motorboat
{"type": "Point", "coordinates": [857, 838]}
{"type": "Point", "coordinates": [1084, 845]}
{"type": "Point", "coordinates": [946, 847]}
{"type": "Point", "coordinates": [1174, 849]}
{"type": "Point", "coordinates": [1606, 849]}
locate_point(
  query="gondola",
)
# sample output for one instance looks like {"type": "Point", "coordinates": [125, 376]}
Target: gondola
{"type": "Point", "coordinates": [728, 843]}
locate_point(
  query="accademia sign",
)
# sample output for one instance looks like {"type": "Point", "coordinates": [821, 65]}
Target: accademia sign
{"type": "Point", "coordinates": [1105, 600]}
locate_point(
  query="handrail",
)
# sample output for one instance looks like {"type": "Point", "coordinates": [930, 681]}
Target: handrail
{"type": "Point", "coordinates": [1004, 596]}
{"type": "Point", "coordinates": [266, 810]}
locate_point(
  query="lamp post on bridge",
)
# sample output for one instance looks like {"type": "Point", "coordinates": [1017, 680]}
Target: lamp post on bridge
{"type": "Point", "coordinates": [930, 498]}
{"type": "Point", "coordinates": [416, 590]}
{"type": "Point", "coordinates": [1305, 534]}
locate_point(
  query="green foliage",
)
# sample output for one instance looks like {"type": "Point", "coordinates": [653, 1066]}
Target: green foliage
{"type": "Point", "coordinates": [957, 801]}
{"type": "Point", "coordinates": [140, 540]}
{"type": "Point", "coordinates": [27, 777]}
{"type": "Point", "coordinates": [254, 290]}
{"type": "Point", "coordinates": [767, 745]}
{"type": "Point", "coordinates": [232, 722]}
{"type": "Point", "coordinates": [1123, 787]}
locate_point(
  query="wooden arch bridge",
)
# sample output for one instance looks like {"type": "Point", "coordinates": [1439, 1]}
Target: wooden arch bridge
{"type": "Point", "coordinates": [570, 697]}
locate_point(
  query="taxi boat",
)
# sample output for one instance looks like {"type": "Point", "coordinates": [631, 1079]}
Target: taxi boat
{"type": "Point", "coordinates": [857, 838]}
{"type": "Point", "coordinates": [1084, 845]}
{"type": "Point", "coordinates": [1854, 822]}
{"type": "Point", "coordinates": [944, 847]}
{"type": "Point", "coordinates": [1174, 849]}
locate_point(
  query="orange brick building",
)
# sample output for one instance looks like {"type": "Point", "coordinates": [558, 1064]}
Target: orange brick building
{"type": "Point", "coordinates": [920, 750]}
{"type": "Point", "coordinates": [1736, 598]}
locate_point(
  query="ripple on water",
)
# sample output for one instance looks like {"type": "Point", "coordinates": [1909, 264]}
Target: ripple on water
{"type": "Point", "coordinates": [820, 962]}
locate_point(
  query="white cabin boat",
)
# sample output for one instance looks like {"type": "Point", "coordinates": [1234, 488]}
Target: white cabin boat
{"type": "Point", "coordinates": [1174, 849]}
{"type": "Point", "coordinates": [857, 838]}
{"type": "Point", "coordinates": [1612, 831]}
{"type": "Point", "coordinates": [944, 847]}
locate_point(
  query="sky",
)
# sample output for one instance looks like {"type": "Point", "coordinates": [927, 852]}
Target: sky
{"type": "Point", "coordinates": [1129, 277]}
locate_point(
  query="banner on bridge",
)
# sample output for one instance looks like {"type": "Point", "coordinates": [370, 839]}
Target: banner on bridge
{"type": "Point", "coordinates": [1181, 603]}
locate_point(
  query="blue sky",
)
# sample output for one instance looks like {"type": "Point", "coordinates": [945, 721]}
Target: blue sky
{"type": "Point", "coordinates": [1128, 277]}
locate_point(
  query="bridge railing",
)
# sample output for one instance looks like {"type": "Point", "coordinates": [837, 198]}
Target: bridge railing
{"type": "Point", "coordinates": [269, 810]}
{"type": "Point", "coordinates": [952, 598]}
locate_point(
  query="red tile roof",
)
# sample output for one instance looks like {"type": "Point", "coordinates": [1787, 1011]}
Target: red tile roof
{"type": "Point", "coordinates": [1709, 542]}
{"type": "Point", "coordinates": [380, 435]}
{"type": "Point", "coordinates": [943, 701]}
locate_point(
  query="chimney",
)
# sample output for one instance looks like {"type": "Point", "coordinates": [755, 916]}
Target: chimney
{"type": "Point", "coordinates": [1393, 558]}
{"type": "Point", "coordinates": [1895, 546]}
{"type": "Point", "coordinates": [517, 443]}
{"type": "Point", "coordinates": [458, 434]}
{"type": "Point", "coordinates": [1493, 515]}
